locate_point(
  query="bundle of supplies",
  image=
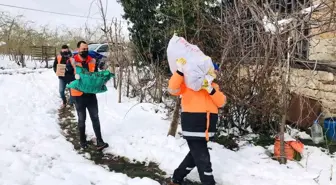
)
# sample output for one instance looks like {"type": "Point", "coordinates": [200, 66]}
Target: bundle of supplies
{"type": "Point", "coordinates": [197, 63]}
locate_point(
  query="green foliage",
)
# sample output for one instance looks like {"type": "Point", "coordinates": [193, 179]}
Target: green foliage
{"type": "Point", "coordinates": [228, 141]}
{"type": "Point", "coordinates": [146, 31]}
{"type": "Point", "coordinates": [155, 21]}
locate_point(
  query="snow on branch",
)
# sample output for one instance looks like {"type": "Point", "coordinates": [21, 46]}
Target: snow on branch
{"type": "Point", "coordinates": [272, 26]}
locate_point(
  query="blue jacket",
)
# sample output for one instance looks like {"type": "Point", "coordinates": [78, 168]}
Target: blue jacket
{"type": "Point", "coordinates": [96, 56]}
{"type": "Point", "coordinates": [92, 54]}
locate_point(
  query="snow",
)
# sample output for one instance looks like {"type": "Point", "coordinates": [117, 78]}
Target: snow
{"type": "Point", "coordinates": [304, 135]}
{"type": "Point", "coordinates": [310, 9]}
{"type": "Point", "coordinates": [21, 71]}
{"type": "Point", "coordinates": [5, 63]}
{"type": "Point", "coordinates": [272, 26]}
{"type": "Point", "coordinates": [136, 131]}
{"type": "Point", "coordinates": [214, 4]}
{"type": "Point", "coordinates": [288, 137]}
{"type": "Point", "coordinates": [296, 133]}
{"type": "Point", "coordinates": [33, 151]}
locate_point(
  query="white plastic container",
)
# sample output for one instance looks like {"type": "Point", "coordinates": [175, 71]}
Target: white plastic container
{"type": "Point", "coordinates": [317, 133]}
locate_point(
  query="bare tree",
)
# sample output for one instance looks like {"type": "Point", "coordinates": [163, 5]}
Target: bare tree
{"type": "Point", "coordinates": [106, 28]}
{"type": "Point", "coordinates": [175, 119]}
{"type": "Point", "coordinates": [261, 42]}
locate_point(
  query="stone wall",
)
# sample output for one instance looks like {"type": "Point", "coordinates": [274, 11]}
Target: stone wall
{"type": "Point", "coordinates": [323, 48]}
{"type": "Point", "coordinates": [318, 85]}
{"type": "Point", "coordinates": [323, 45]}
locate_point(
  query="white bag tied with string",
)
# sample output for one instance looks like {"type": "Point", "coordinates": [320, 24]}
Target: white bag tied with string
{"type": "Point", "coordinates": [197, 66]}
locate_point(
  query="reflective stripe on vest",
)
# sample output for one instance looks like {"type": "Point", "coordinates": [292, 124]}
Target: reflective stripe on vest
{"type": "Point", "coordinates": [197, 134]}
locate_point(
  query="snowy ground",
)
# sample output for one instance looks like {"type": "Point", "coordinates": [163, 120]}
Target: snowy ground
{"type": "Point", "coordinates": [11, 65]}
{"type": "Point", "coordinates": [32, 148]}
{"type": "Point", "coordinates": [141, 134]}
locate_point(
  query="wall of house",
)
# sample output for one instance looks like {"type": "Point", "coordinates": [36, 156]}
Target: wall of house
{"type": "Point", "coordinates": [323, 46]}
{"type": "Point", "coordinates": [317, 85]}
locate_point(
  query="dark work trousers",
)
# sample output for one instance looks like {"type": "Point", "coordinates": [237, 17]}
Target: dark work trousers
{"type": "Point", "coordinates": [199, 157]}
{"type": "Point", "coordinates": [88, 101]}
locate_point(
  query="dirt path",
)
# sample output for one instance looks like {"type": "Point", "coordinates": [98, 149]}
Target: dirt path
{"type": "Point", "coordinates": [119, 164]}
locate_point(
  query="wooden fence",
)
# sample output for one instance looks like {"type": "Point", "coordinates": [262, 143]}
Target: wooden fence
{"type": "Point", "coordinates": [43, 53]}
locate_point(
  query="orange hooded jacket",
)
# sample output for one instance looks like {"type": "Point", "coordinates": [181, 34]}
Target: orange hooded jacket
{"type": "Point", "coordinates": [199, 108]}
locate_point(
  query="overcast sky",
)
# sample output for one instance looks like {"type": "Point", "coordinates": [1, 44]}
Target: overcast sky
{"type": "Point", "coordinates": [76, 7]}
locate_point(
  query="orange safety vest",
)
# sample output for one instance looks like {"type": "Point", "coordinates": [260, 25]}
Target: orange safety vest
{"type": "Point", "coordinates": [195, 103]}
{"type": "Point", "coordinates": [78, 62]}
{"type": "Point", "coordinates": [59, 59]}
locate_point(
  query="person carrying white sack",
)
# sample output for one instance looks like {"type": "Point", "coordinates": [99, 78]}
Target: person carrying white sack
{"type": "Point", "coordinates": [192, 80]}
{"type": "Point", "coordinates": [198, 120]}
{"type": "Point", "coordinates": [197, 67]}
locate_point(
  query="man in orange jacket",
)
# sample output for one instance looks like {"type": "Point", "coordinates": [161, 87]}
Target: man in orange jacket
{"type": "Point", "coordinates": [198, 120]}
{"type": "Point", "coordinates": [87, 101]}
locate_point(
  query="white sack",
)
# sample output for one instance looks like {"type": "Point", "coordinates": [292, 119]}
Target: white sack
{"type": "Point", "coordinates": [197, 66]}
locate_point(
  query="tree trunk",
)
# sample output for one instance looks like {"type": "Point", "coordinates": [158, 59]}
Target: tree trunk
{"type": "Point", "coordinates": [157, 87]}
{"type": "Point", "coordinates": [120, 83]}
{"type": "Point", "coordinates": [285, 83]}
{"type": "Point", "coordinates": [160, 94]}
{"type": "Point", "coordinates": [283, 159]}
{"type": "Point", "coordinates": [114, 79]}
{"type": "Point", "coordinates": [128, 82]}
{"type": "Point", "coordinates": [46, 61]}
{"type": "Point", "coordinates": [142, 94]}
{"type": "Point", "coordinates": [22, 61]}
{"type": "Point", "coordinates": [176, 116]}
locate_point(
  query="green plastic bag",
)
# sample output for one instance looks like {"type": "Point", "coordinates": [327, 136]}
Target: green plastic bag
{"type": "Point", "coordinates": [91, 82]}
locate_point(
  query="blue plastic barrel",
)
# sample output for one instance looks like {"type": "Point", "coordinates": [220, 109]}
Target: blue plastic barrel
{"type": "Point", "coordinates": [330, 128]}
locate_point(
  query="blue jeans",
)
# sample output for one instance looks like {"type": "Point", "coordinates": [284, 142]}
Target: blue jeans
{"type": "Point", "coordinates": [62, 86]}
